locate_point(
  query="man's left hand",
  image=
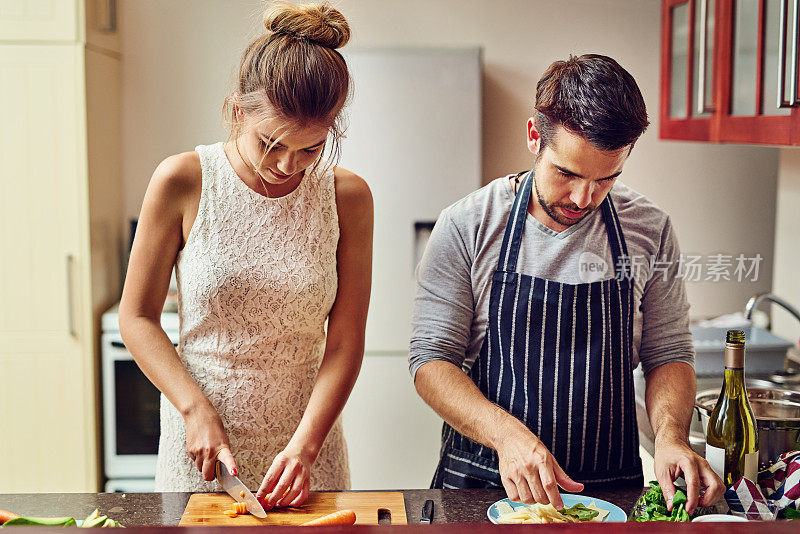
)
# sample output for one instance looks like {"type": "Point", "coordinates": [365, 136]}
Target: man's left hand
{"type": "Point", "coordinates": [675, 459]}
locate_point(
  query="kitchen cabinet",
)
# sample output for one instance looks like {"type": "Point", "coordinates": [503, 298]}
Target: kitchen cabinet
{"type": "Point", "coordinates": [59, 243]}
{"type": "Point", "coordinates": [39, 20]}
{"type": "Point", "coordinates": [729, 71]}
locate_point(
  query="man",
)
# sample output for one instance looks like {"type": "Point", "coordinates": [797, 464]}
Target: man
{"type": "Point", "coordinates": [538, 296]}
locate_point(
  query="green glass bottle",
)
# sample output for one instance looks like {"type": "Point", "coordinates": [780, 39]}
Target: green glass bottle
{"type": "Point", "coordinates": [732, 436]}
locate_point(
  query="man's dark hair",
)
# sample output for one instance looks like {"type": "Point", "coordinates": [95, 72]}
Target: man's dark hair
{"type": "Point", "coordinates": [594, 97]}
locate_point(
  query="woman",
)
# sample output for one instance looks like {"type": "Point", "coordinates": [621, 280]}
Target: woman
{"type": "Point", "coordinates": [269, 241]}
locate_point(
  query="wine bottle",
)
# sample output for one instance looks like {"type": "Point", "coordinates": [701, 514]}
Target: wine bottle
{"type": "Point", "coordinates": [731, 436]}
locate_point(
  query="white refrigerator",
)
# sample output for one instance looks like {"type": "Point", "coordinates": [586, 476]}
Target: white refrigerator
{"type": "Point", "coordinates": [415, 136]}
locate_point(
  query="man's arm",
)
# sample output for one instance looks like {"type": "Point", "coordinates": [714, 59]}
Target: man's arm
{"type": "Point", "coordinates": [528, 471]}
{"type": "Point", "coordinates": [669, 396]}
{"type": "Point", "coordinates": [667, 357]}
{"type": "Point", "coordinates": [441, 331]}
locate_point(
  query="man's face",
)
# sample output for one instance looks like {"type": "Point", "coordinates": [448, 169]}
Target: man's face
{"type": "Point", "coordinates": [571, 177]}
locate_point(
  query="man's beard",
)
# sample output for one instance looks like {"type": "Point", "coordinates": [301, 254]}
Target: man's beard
{"type": "Point", "coordinates": [550, 208]}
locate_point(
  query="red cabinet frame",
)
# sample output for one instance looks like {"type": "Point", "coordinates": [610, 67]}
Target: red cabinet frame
{"type": "Point", "coordinates": [721, 126]}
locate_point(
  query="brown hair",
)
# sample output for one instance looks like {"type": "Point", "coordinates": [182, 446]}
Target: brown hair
{"type": "Point", "coordinates": [594, 97]}
{"type": "Point", "coordinates": [296, 69]}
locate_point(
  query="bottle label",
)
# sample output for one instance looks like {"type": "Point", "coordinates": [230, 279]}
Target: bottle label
{"type": "Point", "coordinates": [715, 456]}
{"type": "Point", "coordinates": [751, 466]}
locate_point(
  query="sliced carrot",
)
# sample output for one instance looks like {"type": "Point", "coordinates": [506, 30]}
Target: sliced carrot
{"type": "Point", "coordinates": [230, 513]}
{"type": "Point", "coordinates": [7, 516]}
{"type": "Point", "coordinates": [241, 494]}
{"type": "Point", "coordinates": [240, 508]}
{"type": "Point", "coordinates": [342, 517]}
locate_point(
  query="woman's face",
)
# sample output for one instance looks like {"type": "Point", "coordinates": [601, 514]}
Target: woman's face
{"type": "Point", "coordinates": [281, 152]}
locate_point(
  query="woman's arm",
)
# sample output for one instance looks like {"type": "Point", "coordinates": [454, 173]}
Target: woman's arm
{"type": "Point", "coordinates": [159, 235]}
{"type": "Point", "coordinates": [288, 480]}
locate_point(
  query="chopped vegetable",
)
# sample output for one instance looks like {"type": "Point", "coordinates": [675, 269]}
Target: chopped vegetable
{"type": "Point", "coordinates": [7, 516]}
{"type": "Point", "coordinates": [240, 508]}
{"type": "Point", "coordinates": [96, 520]}
{"type": "Point", "coordinates": [653, 507]}
{"type": "Point", "coordinates": [92, 520]}
{"type": "Point", "coordinates": [580, 512]}
{"type": "Point", "coordinates": [342, 517]}
{"type": "Point", "coordinates": [230, 513]}
{"type": "Point", "coordinates": [41, 522]}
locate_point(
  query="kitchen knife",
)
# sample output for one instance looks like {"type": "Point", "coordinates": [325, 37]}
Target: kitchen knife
{"type": "Point", "coordinates": [427, 512]}
{"type": "Point", "coordinates": [234, 487]}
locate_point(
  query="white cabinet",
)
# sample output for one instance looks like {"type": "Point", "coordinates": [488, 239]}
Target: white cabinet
{"type": "Point", "coordinates": [58, 249]}
{"type": "Point", "coordinates": [45, 368]}
{"type": "Point", "coordinates": [39, 20]}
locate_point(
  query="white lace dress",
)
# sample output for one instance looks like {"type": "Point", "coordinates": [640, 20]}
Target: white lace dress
{"type": "Point", "coordinates": [256, 279]}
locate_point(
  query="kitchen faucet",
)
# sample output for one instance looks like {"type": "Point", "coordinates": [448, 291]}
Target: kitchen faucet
{"type": "Point", "coordinates": [756, 299]}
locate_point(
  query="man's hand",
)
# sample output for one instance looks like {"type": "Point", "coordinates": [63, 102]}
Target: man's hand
{"type": "Point", "coordinates": [674, 459]}
{"type": "Point", "coordinates": [529, 472]}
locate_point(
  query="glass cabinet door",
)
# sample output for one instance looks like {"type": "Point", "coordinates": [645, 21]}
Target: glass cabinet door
{"type": "Point", "coordinates": [687, 68]}
{"type": "Point", "coordinates": [679, 60]}
{"type": "Point", "coordinates": [759, 47]}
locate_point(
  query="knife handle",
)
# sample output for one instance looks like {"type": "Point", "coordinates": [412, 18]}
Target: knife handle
{"type": "Point", "coordinates": [427, 510]}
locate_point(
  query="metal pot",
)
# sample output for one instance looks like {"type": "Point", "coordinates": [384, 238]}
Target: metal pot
{"type": "Point", "coordinates": [777, 413]}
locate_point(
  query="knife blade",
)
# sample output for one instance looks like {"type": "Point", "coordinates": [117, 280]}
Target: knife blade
{"type": "Point", "coordinates": [234, 487]}
{"type": "Point", "coordinates": [427, 512]}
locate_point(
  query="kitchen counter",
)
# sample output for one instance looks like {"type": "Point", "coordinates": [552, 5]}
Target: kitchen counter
{"type": "Point", "coordinates": [136, 509]}
{"type": "Point", "coordinates": [452, 506]}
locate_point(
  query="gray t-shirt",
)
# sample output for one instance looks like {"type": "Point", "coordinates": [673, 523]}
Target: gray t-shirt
{"type": "Point", "coordinates": [454, 277]}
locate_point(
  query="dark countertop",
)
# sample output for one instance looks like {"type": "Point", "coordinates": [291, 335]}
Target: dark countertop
{"type": "Point", "coordinates": [165, 509]}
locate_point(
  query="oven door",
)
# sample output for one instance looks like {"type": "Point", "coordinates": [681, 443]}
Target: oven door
{"type": "Point", "coordinates": [130, 413]}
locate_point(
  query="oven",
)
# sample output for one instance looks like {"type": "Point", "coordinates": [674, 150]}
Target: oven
{"type": "Point", "coordinates": [130, 411]}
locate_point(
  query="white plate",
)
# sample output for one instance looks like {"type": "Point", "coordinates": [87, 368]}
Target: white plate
{"type": "Point", "coordinates": [615, 513]}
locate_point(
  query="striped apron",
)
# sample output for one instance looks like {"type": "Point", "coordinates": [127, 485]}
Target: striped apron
{"type": "Point", "coordinates": [558, 357]}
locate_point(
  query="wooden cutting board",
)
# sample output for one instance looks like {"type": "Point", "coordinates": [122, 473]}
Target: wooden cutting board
{"type": "Point", "coordinates": [205, 509]}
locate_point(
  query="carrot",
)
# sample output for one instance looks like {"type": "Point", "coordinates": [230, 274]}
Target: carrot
{"type": "Point", "coordinates": [241, 494]}
{"type": "Point", "coordinates": [230, 513]}
{"type": "Point", "coordinates": [7, 516]}
{"type": "Point", "coordinates": [240, 508]}
{"type": "Point", "coordinates": [342, 517]}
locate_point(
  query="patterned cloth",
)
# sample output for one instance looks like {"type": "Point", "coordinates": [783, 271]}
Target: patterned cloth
{"type": "Point", "coordinates": [778, 489]}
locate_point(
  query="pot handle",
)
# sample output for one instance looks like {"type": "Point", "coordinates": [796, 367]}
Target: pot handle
{"type": "Point", "coordinates": [697, 408]}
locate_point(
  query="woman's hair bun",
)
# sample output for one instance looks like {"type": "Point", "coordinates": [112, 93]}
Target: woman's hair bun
{"type": "Point", "coordinates": [318, 22]}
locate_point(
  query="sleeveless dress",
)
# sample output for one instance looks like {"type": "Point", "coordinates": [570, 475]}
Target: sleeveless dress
{"type": "Point", "coordinates": [256, 281]}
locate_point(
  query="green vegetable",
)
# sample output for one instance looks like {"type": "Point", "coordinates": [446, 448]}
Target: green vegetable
{"type": "Point", "coordinates": [791, 513]}
{"type": "Point", "coordinates": [41, 522]}
{"type": "Point", "coordinates": [580, 512]}
{"type": "Point", "coordinates": [93, 520]}
{"type": "Point", "coordinates": [91, 517]}
{"type": "Point", "coordinates": [653, 507]}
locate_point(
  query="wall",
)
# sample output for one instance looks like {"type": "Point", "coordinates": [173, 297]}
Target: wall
{"type": "Point", "coordinates": [180, 57]}
{"type": "Point", "coordinates": [787, 252]}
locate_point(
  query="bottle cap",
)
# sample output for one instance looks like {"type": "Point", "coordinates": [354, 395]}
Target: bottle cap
{"type": "Point", "coordinates": [734, 336]}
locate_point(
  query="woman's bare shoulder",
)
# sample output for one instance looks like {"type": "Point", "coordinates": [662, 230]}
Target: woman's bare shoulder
{"type": "Point", "coordinates": [179, 175]}
{"type": "Point", "coordinates": [351, 189]}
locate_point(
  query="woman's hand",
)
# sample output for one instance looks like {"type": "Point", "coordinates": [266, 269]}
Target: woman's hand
{"type": "Point", "coordinates": [207, 442]}
{"type": "Point", "coordinates": [287, 481]}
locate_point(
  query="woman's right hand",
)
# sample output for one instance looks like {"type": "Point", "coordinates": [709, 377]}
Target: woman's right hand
{"type": "Point", "coordinates": [207, 442]}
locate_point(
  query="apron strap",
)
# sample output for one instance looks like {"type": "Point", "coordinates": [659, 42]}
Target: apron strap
{"type": "Point", "coordinates": [512, 239]}
{"type": "Point", "coordinates": [619, 249]}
